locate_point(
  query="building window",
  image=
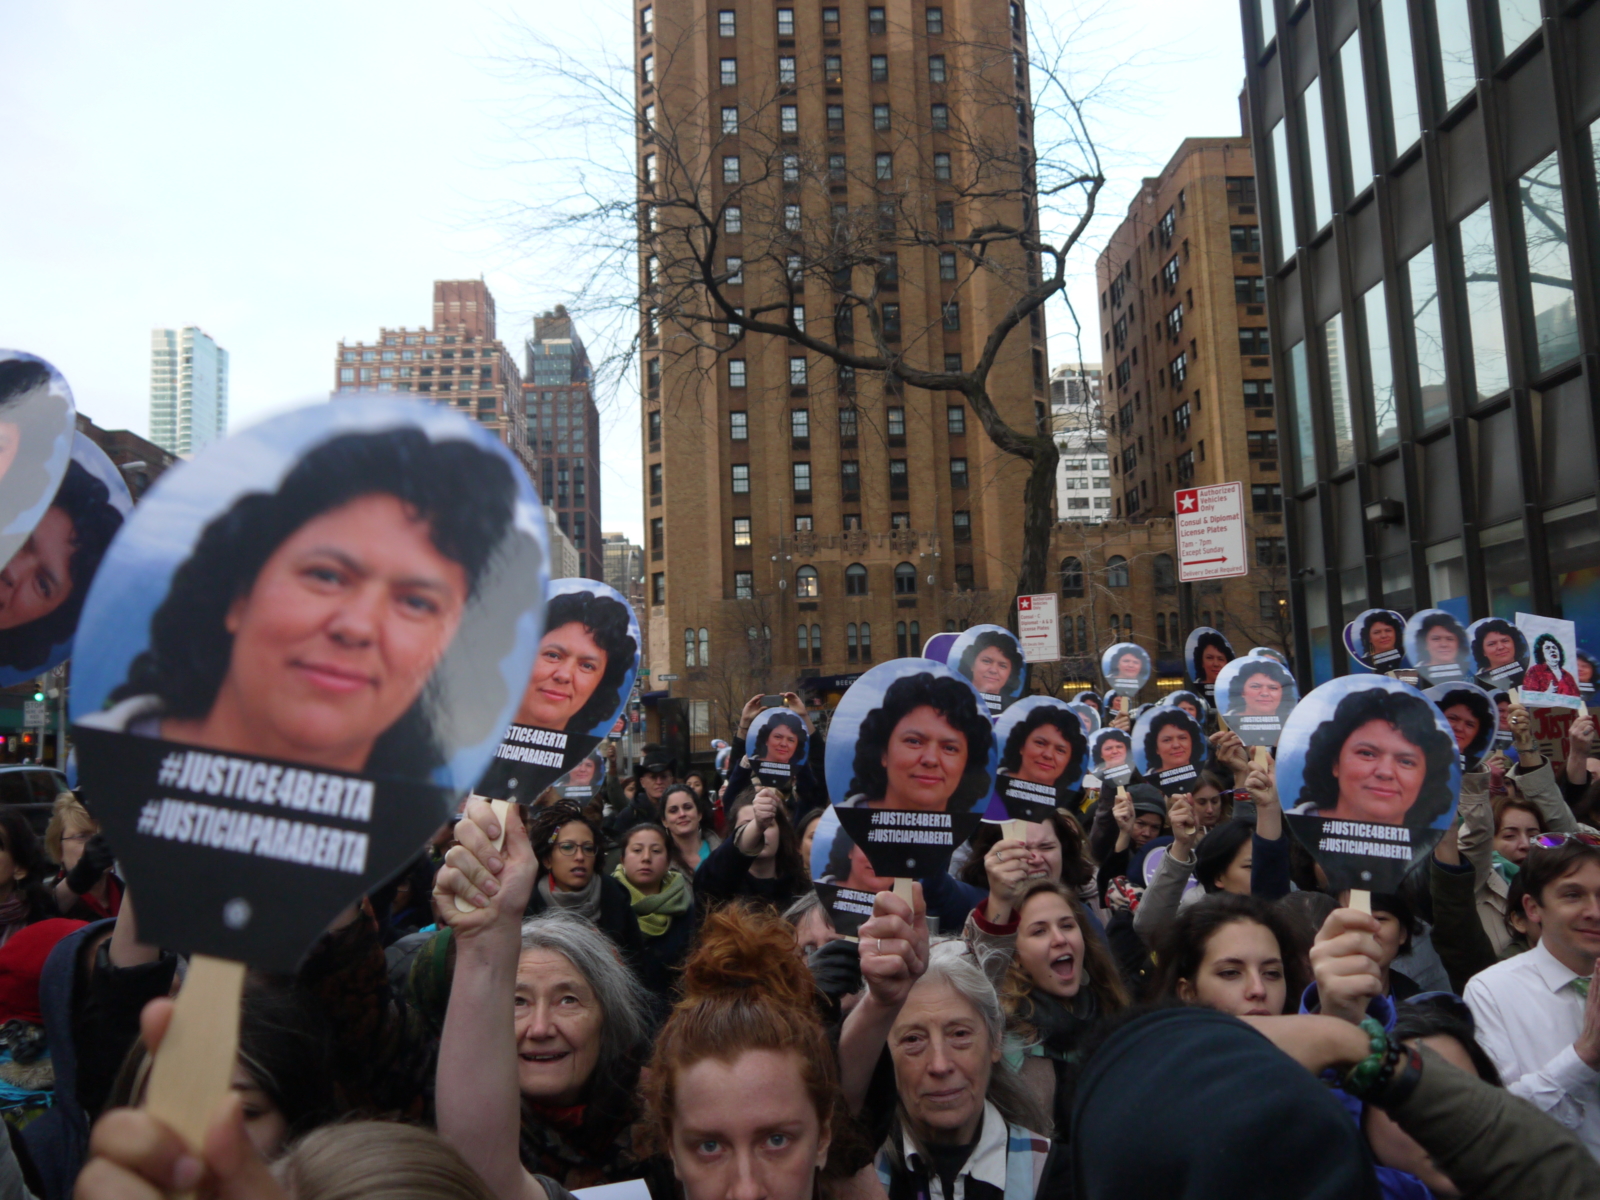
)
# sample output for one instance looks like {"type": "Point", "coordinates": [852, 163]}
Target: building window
{"type": "Point", "coordinates": [1245, 239]}
{"type": "Point", "coordinates": [1266, 498]}
{"type": "Point", "coordinates": [847, 425]}
{"type": "Point", "coordinates": [1258, 393]}
{"type": "Point", "coordinates": [905, 580]}
{"type": "Point", "coordinates": [1249, 289]}
{"type": "Point", "coordinates": [658, 588]}
{"type": "Point", "coordinates": [725, 23]}
{"type": "Point", "coordinates": [1274, 607]}
{"type": "Point", "coordinates": [1164, 575]}
{"type": "Point", "coordinates": [1263, 444]}
{"type": "Point", "coordinates": [647, 21]}
{"type": "Point", "coordinates": [806, 585]}
{"type": "Point", "coordinates": [1186, 467]}
{"type": "Point", "coordinates": [1116, 571]}
{"type": "Point", "coordinates": [947, 266]}
{"type": "Point", "coordinates": [1254, 341]}
{"type": "Point", "coordinates": [962, 522]}
{"type": "Point", "coordinates": [729, 71]}
{"type": "Point", "coordinates": [965, 580]}
{"type": "Point", "coordinates": [941, 117]}
{"type": "Point", "coordinates": [786, 74]}
{"type": "Point", "coordinates": [855, 580]}
{"type": "Point", "coordinates": [741, 479]}
{"type": "Point", "coordinates": [830, 20]}
{"type": "Point", "coordinates": [743, 585]}
{"type": "Point", "coordinates": [658, 536]}
{"type": "Point", "coordinates": [1179, 369]}
{"type": "Point", "coordinates": [730, 168]}
{"type": "Point", "coordinates": [786, 22]}
{"type": "Point", "coordinates": [884, 165]}
{"type": "Point", "coordinates": [1072, 577]}
{"type": "Point", "coordinates": [936, 68]}
{"type": "Point", "coordinates": [896, 422]}
{"type": "Point", "coordinates": [900, 639]}
{"type": "Point", "coordinates": [832, 69]}
{"type": "Point", "coordinates": [655, 482]}
{"type": "Point", "coordinates": [688, 648]}
{"type": "Point", "coordinates": [802, 478]}
{"type": "Point", "coordinates": [836, 168]}
{"type": "Point", "coordinates": [736, 373]}
{"type": "Point", "coordinates": [952, 316]}
{"type": "Point", "coordinates": [955, 420]}
{"type": "Point", "coordinates": [935, 21]}
{"type": "Point", "coordinates": [800, 424]}
{"type": "Point", "coordinates": [850, 479]}
{"type": "Point", "coordinates": [739, 426]}
{"type": "Point", "coordinates": [788, 118]}
{"type": "Point", "coordinates": [941, 166]}
{"type": "Point", "coordinates": [880, 117]}
{"type": "Point", "coordinates": [876, 24]}
{"type": "Point", "coordinates": [898, 479]}
{"type": "Point", "coordinates": [851, 652]}
{"type": "Point", "coordinates": [880, 68]}
{"type": "Point", "coordinates": [891, 322]}
{"type": "Point", "coordinates": [797, 372]}
{"type": "Point", "coordinates": [835, 118]}
{"type": "Point", "coordinates": [730, 120]}
{"type": "Point", "coordinates": [733, 219]}
{"type": "Point", "coordinates": [958, 472]}
{"type": "Point", "coordinates": [647, 69]}
{"type": "Point", "coordinates": [1271, 552]}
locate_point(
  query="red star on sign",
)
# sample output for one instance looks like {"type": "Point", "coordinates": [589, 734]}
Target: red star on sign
{"type": "Point", "coordinates": [1025, 603]}
{"type": "Point", "coordinates": [1188, 501]}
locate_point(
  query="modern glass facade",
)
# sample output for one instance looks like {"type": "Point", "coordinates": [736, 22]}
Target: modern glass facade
{"type": "Point", "coordinates": [1428, 177]}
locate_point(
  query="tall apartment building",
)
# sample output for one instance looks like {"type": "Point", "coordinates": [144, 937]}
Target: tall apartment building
{"type": "Point", "coordinates": [805, 520]}
{"type": "Point", "coordinates": [1188, 387]}
{"type": "Point", "coordinates": [1430, 233]}
{"type": "Point", "coordinates": [457, 361]}
{"type": "Point", "coordinates": [564, 433]}
{"type": "Point", "coordinates": [188, 390]}
{"type": "Point", "coordinates": [624, 567]}
{"type": "Point", "coordinates": [1083, 476]}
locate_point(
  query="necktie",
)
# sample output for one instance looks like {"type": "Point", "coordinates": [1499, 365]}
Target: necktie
{"type": "Point", "coordinates": [1581, 986]}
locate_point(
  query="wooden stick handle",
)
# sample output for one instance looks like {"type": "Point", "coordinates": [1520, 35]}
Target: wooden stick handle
{"type": "Point", "coordinates": [1014, 830]}
{"type": "Point", "coordinates": [902, 891]}
{"type": "Point", "coordinates": [193, 1069]}
{"type": "Point", "coordinates": [1361, 900]}
{"type": "Point", "coordinates": [1259, 757]}
{"type": "Point", "coordinates": [501, 808]}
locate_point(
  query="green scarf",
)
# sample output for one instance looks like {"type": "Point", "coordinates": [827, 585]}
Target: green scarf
{"type": "Point", "coordinates": [655, 913]}
{"type": "Point", "coordinates": [1508, 869]}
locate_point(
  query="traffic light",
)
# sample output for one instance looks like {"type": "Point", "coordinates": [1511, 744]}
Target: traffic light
{"type": "Point", "coordinates": [37, 694]}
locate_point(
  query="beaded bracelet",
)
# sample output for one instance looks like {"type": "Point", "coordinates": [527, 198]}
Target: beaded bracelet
{"type": "Point", "coordinates": [1361, 1077]}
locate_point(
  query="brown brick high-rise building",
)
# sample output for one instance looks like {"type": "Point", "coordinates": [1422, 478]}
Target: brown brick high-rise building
{"type": "Point", "coordinates": [803, 521]}
{"type": "Point", "coordinates": [1188, 400]}
{"type": "Point", "coordinates": [564, 433]}
{"type": "Point", "coordinates": [457, 360]}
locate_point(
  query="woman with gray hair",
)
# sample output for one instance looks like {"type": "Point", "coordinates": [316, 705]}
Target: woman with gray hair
{"type": "Point", "coordinates": [964, 1123]}
{"type": "Point", "coordinates": [552, 1091]}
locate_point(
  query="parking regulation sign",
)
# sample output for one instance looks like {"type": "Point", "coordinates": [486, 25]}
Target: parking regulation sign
{"type": "Point", "coordinates": [1038, 628]}
{"type": "Point", "coordinates": [1210, 525]}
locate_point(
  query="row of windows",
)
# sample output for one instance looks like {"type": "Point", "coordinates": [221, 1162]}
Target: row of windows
{"type": "Point", "coordinates": [728, 70]}
{"type": "Point", "coordinates": [416, 339]}
{"type": "Point", "coordinates": [789, 123]}
{"type": "Point", "coordinates": [849, 422]}
{"type": "Point", "coordinates": [407, 355]}
{"type": "Point", "coordinates": [1163, 575]}
{"type": "Point", "coordinates": [808, 586]}
{"type": "Point", "coordinates": [849, 478]}
{"type": "Point", "coordinates": [877, 22]}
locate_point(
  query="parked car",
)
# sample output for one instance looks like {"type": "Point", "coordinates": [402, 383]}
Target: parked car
{"type": "Point", "coordinates": [33, 790]}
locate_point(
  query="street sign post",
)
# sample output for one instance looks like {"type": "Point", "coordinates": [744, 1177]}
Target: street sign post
{"type": "Point", "coordinates": [1210, 528]}
{"type": "Point", "coordinates": [35, 714]}
{"type": "Point", "coordinates": [666, 678]}
{"type": "Point", "coordinates": [1038, 628]}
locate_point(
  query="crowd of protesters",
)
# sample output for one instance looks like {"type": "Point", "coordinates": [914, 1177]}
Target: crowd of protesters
{"type": "Point", "coordinates": [1145, 995]}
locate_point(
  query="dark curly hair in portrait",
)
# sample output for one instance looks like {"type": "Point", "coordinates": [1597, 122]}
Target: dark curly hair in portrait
{"type": "Point", "coordinates": [1212, 640]}
{"type": "Point", "coordinates": [87, 503]}
{"type": "Point", "coordinates": [1441, 620]}
{"type": "Point", "coordinates": [1177, 719]}
{"type": "Point", "coordinates": [837, 868]}
{"type": "Point", "coordinates": [1271, 669]}
{"type": "Point", "coordinates": [1374, 619]}
{"type": "Point", "coordinates": [1413, 718]}
{"type": "Point", "coordinates": [1483, 710]}
{"type": "Point", "coordinates": [606, 622]}
{"type": "Point", "coordinates": [789, 721]}
{"type": "Point", "coordinates": [1538, 649]}
{"type": "Point", "coordinates": [1088, 698]}
{"type": "Point", "coordinates": [1066, 723]}
{"type": "Point", "coordinates": [465, 494]}
{"type": "Point", "coordinates": [41, 420]}
{"type": "Point", "coordinates": [1497, 625]}
{"type": "Point", "coordinates": [1102, 736]}
{"type": "Point", "coordinates": [1184, 697]}
{"type": "Point", "coordinates": [1001, 642]}
{"type": "Point", "coordinates": [953, 700]}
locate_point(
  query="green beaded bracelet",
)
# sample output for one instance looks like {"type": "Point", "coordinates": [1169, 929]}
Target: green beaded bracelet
{"type": "Point", "coordinates": [1365, 1073]}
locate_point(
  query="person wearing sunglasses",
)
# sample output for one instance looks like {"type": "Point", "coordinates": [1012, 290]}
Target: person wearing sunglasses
{"type": "Point", "coordinates": [1538, 1014]}
{"type": "Point", "coordinates": [1495, 830]}
{"type": "Point", "coordinates": [567, 844]}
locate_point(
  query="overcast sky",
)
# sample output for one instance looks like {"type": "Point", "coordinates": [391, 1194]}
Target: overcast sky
{"type": "Point", "coordinates": [286, 176]}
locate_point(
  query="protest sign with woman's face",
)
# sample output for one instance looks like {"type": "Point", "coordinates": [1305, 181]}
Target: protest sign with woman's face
{"type": "Point", "coordinates": [910, 736]}
{"type": "Point", "coordinates": [1587, 674]}
{"type": "Point", "coordinates": [37, 425]}
{"type": "Point", "coordinates": [587, 661]}
{"type": "Point", "coordinates": [1092, 699]}
{"type": "Point", "coordinates": [1437, 646]}
{"type": "Point", "coordinates": [1376, 639]}
{"type": "Point", "coordinates": [1043, 752]}
{"type": "Point", "coordinates": [1474, 719]}
{"type": "Point", "coordinates": [844, 878]}
{"type": "Point", "coordinates": [1191, 703]}
{"type": "Point", "coordinates": [1551, 681]}
{"type": "Point", "coordinates": [44, 586]}
{"type": "Point", "coordinates": [1360, 753]}
{"type": "Point", "coordinates": [1205, 653]}
{"type": "Point", "coordinates": [1499, 652]}
{"type": "Point", "coordinates": [1169, 748]}
{"type": "Point", "coordinates": [776, 744]}
{"type": "Point", "coordinates": [1126, 667]}
{"type": "Point", "coordinates": [991, 657]}
{"type": "Point", "coordinates": [1256, 694]}
{"type": "Point", "coordinates": [1088, 716]}
{"type": "Point", "coordinates": [1111, 753]}
{"type": "Point", "coordinates": [329, 603]}
{"type": "Point", "coordinates": [937, 647]}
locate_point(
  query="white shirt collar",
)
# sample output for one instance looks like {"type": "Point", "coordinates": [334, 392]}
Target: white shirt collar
{"type": "Point", "coordinates": [987, 1163]}
{"type": "Point", "coordinates": [1554, 974]}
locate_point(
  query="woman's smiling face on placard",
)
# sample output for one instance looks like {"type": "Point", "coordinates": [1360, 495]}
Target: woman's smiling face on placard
{"type": "Point", "coordinates": [1045, 755]}
{"type": "Point", "coordinates": [1380, 773]}
{"type": "Point", "coordinates": [991, 671]}
{"type": "Point", "coordinates": [924, 761]}
{"type": "Point", "coordinates": [569, 668]}
{"type": "Point", "coordinates": [341, 630]}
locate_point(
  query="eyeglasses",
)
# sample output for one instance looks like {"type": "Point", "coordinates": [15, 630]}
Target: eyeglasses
{"type": "Point", "coordinates": [76, 837]}
{"type": "Point", "coordinates": [571, 849]}
{"type": "Point", "coordinates": [1552, 841]}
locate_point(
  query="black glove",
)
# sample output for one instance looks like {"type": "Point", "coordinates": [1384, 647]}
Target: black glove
{"type": "Point", "coordinates": [97, 859]}
{"type": "Point", "coordinates": [836, 968]}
